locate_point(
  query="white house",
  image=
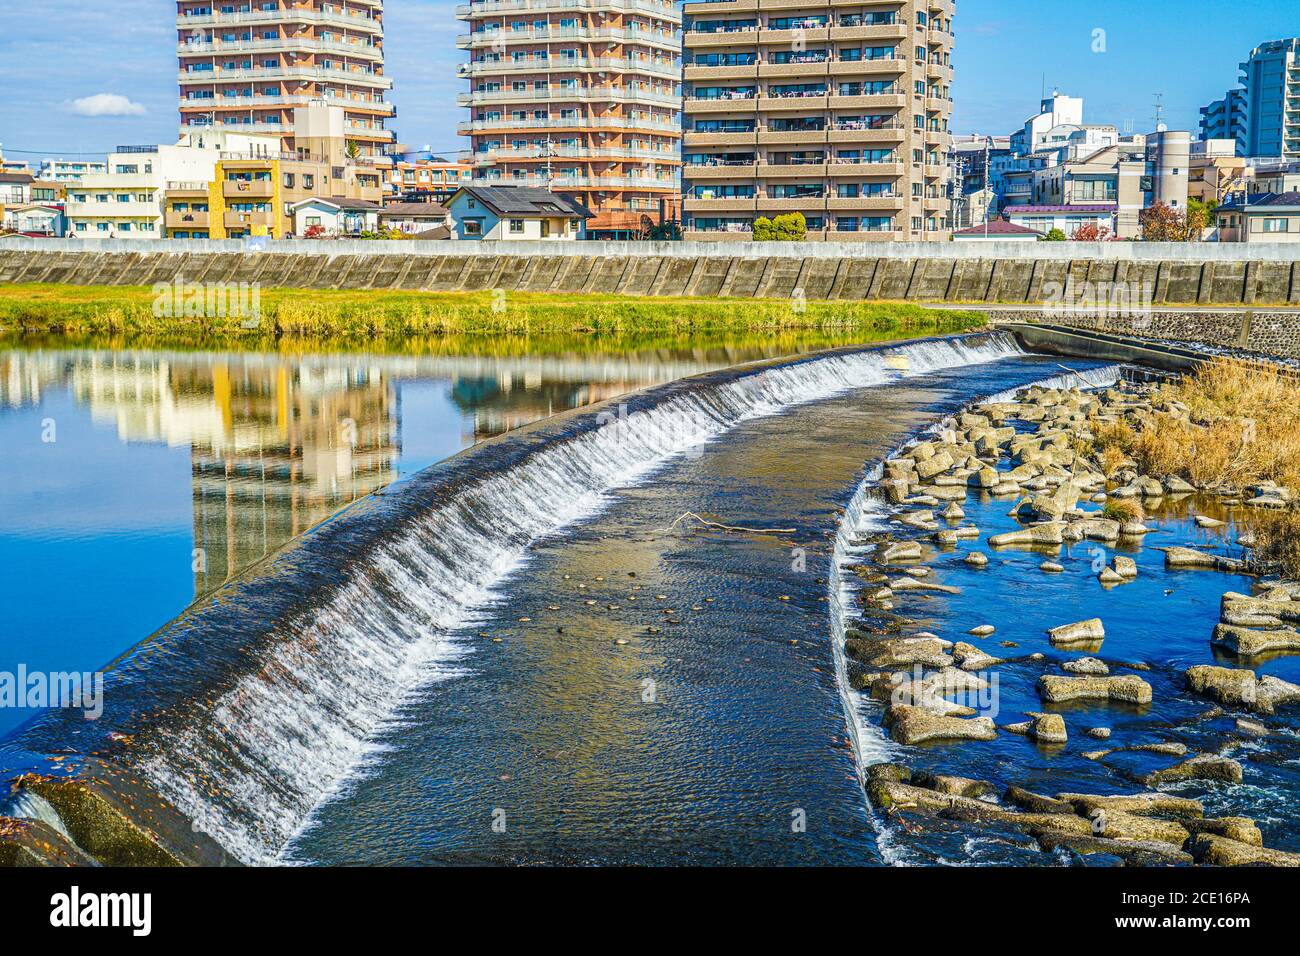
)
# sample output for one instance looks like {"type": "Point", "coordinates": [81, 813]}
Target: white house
{"type": "Point", "coordinates": [35, 220]}
{"type": "Point", "coordinates": [416, 218]}
{"type": "Point", "coordinates": [334, 217]}
{"type": "Point", "coordinates": [1067, 218]}
{"type": "Point", "coordinates": [515, 212]}
{"type": "Point", "coordinates": [15, 188]}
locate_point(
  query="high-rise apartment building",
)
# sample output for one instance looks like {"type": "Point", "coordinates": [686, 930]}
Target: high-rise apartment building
{"type": "Point", "coordinates": [246, 64]}
{"type": "Point", "coordinates": [1226, 119]}
{"type": "Point", "coordinates": [1271, 77]}
{"type": "Point", "coordinates": [835, 110]}
{"type": "Point", "coordinates": [578, 96]}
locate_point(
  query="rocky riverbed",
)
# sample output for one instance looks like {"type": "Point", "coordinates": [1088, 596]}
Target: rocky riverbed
{"type": "Point", "coordinates": [1074, 661]}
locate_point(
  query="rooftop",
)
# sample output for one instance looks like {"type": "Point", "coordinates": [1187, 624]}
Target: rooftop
{"type": "Point", "coordinates": [998, 227]}
{"type": "Point", "coordinates": [526, 201]}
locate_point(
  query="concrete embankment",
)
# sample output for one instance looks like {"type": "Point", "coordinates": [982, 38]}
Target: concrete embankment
{"type": "Point", "coordinates": [1149, 273]}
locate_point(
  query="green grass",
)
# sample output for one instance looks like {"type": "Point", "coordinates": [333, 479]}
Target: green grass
{"type": "Point", "coordinates": [427, 321]}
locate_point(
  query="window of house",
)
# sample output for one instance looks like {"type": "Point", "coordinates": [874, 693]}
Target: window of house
{"type": "Point", "coordinates": [473, 227]}
{"type": "Point", "coordinates": [516, 225]}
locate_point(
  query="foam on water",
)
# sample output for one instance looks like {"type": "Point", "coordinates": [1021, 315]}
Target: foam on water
{"type": "Point", "coordinates": [25, 805]}
{"type": "Point", "coordinates": [249, 767]}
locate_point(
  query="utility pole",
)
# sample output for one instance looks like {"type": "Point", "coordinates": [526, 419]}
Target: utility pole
{"type": "Point", "coordinates": [988, 144]}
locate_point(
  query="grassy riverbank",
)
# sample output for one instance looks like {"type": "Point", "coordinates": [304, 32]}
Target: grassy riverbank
{"type": "Point", "coordinates": [35, 310]}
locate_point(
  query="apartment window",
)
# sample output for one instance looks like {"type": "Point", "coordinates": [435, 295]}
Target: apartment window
{"type": "Point", "coordinates": [308, 181]}
{"type": "Point", "coordinates": [81, 227]}
{"type": "Point", "coordinates": [288, 180]}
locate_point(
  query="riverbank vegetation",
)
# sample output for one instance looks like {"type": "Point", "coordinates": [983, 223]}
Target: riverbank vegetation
{"type": "Point", "coordinates": [32, 310]}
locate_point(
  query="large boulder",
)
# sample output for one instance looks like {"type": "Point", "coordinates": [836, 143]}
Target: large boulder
{"type": "Point", "coordinates": [1200, 767]}
{"type": "Point", "coordinates": [1238, 687]}
{"type": "Point", "coordinates": [1189, 558]}
{"type": "Point", "coordinates": [1209, 849]}
{"type": "Point", "coordinates": [1089, 634]}
{"type": "Point", "coordinates": [1129, 689]}
{"type": "Point", "coordinates": [1245, 642]}
{"type": "Point", "coordinates": [914, 725]}
{"type": "Point", "coordinates": [1045, 533]}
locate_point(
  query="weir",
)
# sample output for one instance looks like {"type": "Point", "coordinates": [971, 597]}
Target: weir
{"type": "Point", "coordinates": [243, 714]}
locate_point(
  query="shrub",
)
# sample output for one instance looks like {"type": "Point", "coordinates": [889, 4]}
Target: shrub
{"type": "Point", "coordinates": [1123, 510]}
{"type": "Point", "coordinates": [1277, 542]}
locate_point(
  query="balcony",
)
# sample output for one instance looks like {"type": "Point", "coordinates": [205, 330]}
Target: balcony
{"type": "Point", "coordinates": [559, 65]}
{"type": "Point", "coordinates": [176, 219]}
{"type": "Point", "coordinates": [245, 220]}
{"type": "Point", "coordinates": [485, 8]}
{"type": "Point", "coordinates": [697, 40]}
{"type": "Point", "coordinates": [577, 123]}
{"type": "Point", "coordinates": [732, 204]}
{"type": "Point", "coordinates": [699, 71]}
{"type": "Point", "coordinates": [866, 204]}
{"type": "Point", "coordinates": [894, 134]}
{"type": "Point", "coordinates": [741, 105]}
{"type": "Point", "coordinates": [733, 172]}
{"type": "Point", "coordinates": [799, 104]}
{"type": "Point", "coordinates": [792, 170]}
{"type": "Point", "coordinates": [482, 39]}
{"type": "Point", "coordinates": [301, 44]}
{"type": "Point", "coordinates": [302, 74]}
{"type": "Point", "coordinates": [599, 94]}
{"type": "Point", "coordinates": [248, 189]}
{"type": "Point", "coordinates": [352, 21]}
{"type": "Point", "coordinates": [771, 137]}
{"type": "Point", "coordinates": [846, 168]}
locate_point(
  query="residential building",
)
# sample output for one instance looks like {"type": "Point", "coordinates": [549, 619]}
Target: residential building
{"type": "Point", "coordinates": [1268, 217]}
{"type": "Point", "coordinates": [33, 219]}
{"type": "Point", "coordinates": [1271, 78]}
{"type": "Point", "coordinates": [1057, 117]}
{"type": "Point", "coordinates": [1067, 218]}
{"type": "Point", "coordinates": [997, 230]}
{"type": "Point", "coordinates": [69, 170]}
{"type": "Point", "coordinates": [329, 218]}
{"type": "Point", "coordinates": [127, 201]}
{"type": "Point", "coordinates": [416, 218]}
{"type": "Point", "coordinates": [246, 64]}
{"type": "Point", "coordinates": [15, 188]}
{"type": "Point", "coordinates": [837, 112]}
{"type": "Point", "coordinates": [515, 213]}
{"type": "Point", "coordinates": [415, 178]}
{"type": "Point", "coordinates": [1272, 177]}
{"type": "Point", "coordinates": [1225, 119]}
{"type": "Point", "coordinates": [254, 184]}
{"type": "Point", "coordinates": [577, 96]}
{"type": "Point", "coordinates": [1215, 170]}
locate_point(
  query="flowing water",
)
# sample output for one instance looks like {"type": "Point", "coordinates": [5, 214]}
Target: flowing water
{"type": "Point", "coordinates": [526, 653]}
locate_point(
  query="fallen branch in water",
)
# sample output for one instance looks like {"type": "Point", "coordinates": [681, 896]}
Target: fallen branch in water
{"type": "Point", "coordinates": [721, 527]}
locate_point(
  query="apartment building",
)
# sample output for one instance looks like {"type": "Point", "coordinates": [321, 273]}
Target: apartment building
{"type": "Point", "coordinates": [1271, 78]}
{"type": "Point", "coordinates": [1225, 119]}
{"type": "Point", "coordinates": [254, 185]}
{"type": "Point", "coordinates": [835, 110]}
{"type": "Point", "coordinates": [420, 178]}
{"type": "Point", "coordinates": [577, 96]}
{"type": "Point", "coordinates": [246, 64]}
{"type": "Point", "coordinates": [69, 170]}
{"type": "Point", "coordinates": [1215, 170]}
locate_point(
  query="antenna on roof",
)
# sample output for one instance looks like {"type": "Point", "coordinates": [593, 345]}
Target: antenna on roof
{"type": "Point", "coordinates": [1160, 112]}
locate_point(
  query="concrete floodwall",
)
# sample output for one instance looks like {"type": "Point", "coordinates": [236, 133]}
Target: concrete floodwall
{"type": "Point", "coordinates": [996, 272]}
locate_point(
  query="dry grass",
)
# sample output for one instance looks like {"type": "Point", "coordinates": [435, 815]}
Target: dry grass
{"type": "Point", "coordinates": [1243, 427]}
{"type": "Point", "coordinates": [1123, 510]}
{"type": "Point", "coordinates": [1277, 542]}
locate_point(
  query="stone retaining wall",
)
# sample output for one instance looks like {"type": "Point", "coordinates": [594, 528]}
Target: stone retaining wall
{"type": "Point", "coordinates": [680, 269]}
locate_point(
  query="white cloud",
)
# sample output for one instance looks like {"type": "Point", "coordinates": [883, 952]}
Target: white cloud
{"type": "Point", "coordinates": [107, 104]}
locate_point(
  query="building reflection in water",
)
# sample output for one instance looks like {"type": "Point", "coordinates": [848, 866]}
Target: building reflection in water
{"type": "Point", "coordinates": [278, 444]}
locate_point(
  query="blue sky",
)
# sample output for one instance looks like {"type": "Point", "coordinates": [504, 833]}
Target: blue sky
{"type": "Point", "coordinates": [114, 59]}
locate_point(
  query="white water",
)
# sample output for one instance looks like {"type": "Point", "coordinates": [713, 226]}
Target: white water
{"type": "Point", "coordinates": [25, 805]}
{"type": "Point", "coordinates": [864, 514]}
{"type": "Point", "coordinates": [269, 750]}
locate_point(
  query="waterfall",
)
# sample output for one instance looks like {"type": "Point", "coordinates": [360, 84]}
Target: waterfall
{"type": "Point", "coordinates": [248, 759]}
{"type": "Point", "coordinates": [26, 805]}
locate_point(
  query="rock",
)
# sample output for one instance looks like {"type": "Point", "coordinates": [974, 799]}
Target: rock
{"type": "Point", "coordinates": [953, 512]}
{"type": "Point", "coordinates": [918, 519]}
{"type": "Point", "coordinates": [982, 630]}
{"type": "Point", "coordinates": [898, 552]}
{"type": "Point", "coordinates": [977, 559]}
{"type": "Point", "coordinates": [1086, 665]}
{"type": "Point", "coordinates": [971, 658]}
{"type": "Point", "coordinates": [1177, 486]}
{"type": "Point", "coordinates": [912, 584]}
{"type": "Point", "coordinates": [913, 725]}
{"type": "Point", "coordinates": [1136, 804]}
{"type": "Point", "coordinates": [1205, 521]}
{"type": "Point", "coordinates": [1130, 528]}
{"type": "Point", "coordinates": [1096, 529]}
{"type": "Point", "coordinates": [1200, 767]}
{"type": "Point", "coordinates": [898, 652]}
{"type": "Point", "coordinates": [1099, 733]}
{"type": "Point", "coordinates": [1108, 576]}
{"type": "Point", "coordinates": [984, 478]}
{"type": "Point", "coordinates": [1251, 728]}
{"type": "Point", "coordinates": [1209, 849]}
{"type": "Point", "coordinates": [1245, 642]}
{"type": "Point", "coordinates": [1048, 729]}
{"type": "Point", "coordinates": [1242, 829]}
{"type": "Point", "coordinates": [1190, 558]}
{"type": "Point", "coordinates": [1133, 852]}
{"type": "Point", "coordinates": [1125, 567]}
{"type": "Point", "coordinates": [934, 465]}
{"type": "Point", "coordinates": [1238, 687]}
{"type": "Point", "coordinates": [1051, 567]}
{"type": "Point", "coordinates": [1089, 632]}
{"type": "Point", "coordinates": [1048, 532]}
{"type": "Point", "coordinates": [954, 786]}
{"type": "Point", "coordinates": [1128, 689]}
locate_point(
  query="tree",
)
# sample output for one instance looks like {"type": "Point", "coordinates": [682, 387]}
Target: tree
{"type": "Point", "coordinates": [314, 232]}
{"type": "Point", "coordinates": [1162, 223]}
{"type": "Point", "coordinates": [1092, 232]}
{"type": "Point", "coordinates": [352, 150]}
{"type": "Point", "coordinates": [665, 231]}
{"type": "Point", "coordinates": [762, 229]}
{"type": "Point", "coordinates": [1200, 215]}
{"type": "Point", "coordinates": [1054, 235]}
{"type": "Point", "coordinates": [792, 227]}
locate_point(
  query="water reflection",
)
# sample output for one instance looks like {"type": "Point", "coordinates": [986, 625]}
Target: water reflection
{"type": "Point", "coordinates": [134, 480]}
